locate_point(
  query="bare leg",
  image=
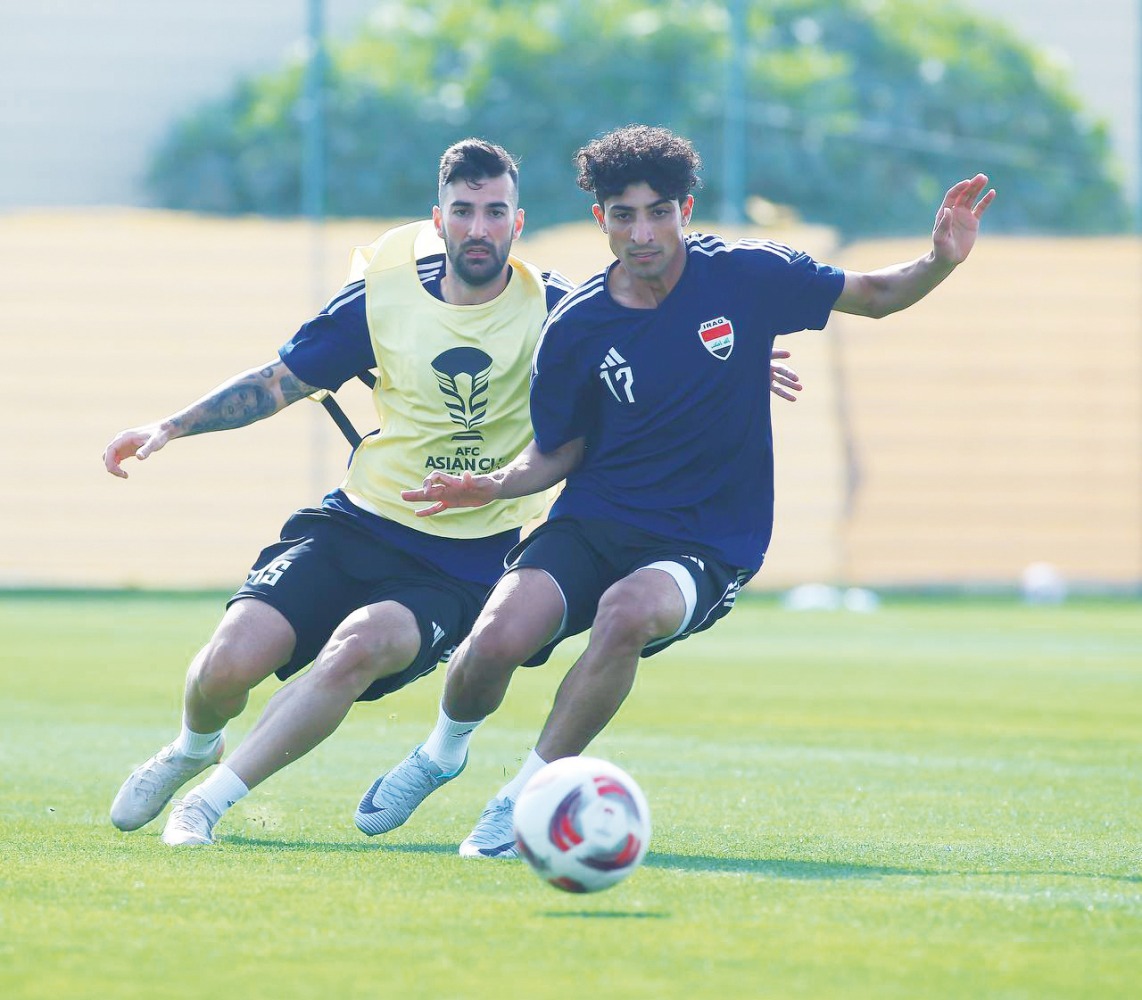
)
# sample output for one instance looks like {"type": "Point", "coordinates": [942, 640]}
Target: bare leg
{"type": "Point", "coordinates": [644, 606]}
{"type": "Point", "coordinates": [639, 608]}
{"type": "Point", "coordinates": [522, 613]}
{"type": "Point", "coordinates": [251, 642]}
{"type": "Point", "coordinates": [371, 643]}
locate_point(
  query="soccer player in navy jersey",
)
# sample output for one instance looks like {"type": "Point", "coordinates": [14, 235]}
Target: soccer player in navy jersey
{"type": "Point", "coordinates": [648, 397]}
{"type": "Point", "coordinates": [358, 586]}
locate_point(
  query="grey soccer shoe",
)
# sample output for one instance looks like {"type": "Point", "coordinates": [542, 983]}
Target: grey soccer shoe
{"type": "Point", "coordinates": [190, 824]}
{"type": "Point", "coordinates": [152, 784]}
{"type": "Point", "coordinates": [493, 836]}
{"type": "Point", "coordinates": [394, 797]}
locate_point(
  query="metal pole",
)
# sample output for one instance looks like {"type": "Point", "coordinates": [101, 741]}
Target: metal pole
{"type": "Point", "coordinates": [1138, 138]}
{"type": "Point", "coordinates": [733, 144]}
{"type": "Point", "coordinates": [313, 116]}
{"type": "Point", "coordinates": [313, 208]}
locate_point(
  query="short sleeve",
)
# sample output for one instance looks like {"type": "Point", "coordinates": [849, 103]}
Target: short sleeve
{"type": "Point", "coordinates": [801, 294]}
{"type": "Point", "coordinates": [335, 345]}
{"type": "Point", "coordinates": [556, 286]}
{"type": "Point", "coordinates": [560, 398]}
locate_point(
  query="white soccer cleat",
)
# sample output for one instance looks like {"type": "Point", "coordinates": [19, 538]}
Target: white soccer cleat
{"type": "Point", "coordinates": [394, 796]}
{"type": "Point", "coordinates": [190, 824]}
{"type": "Point", "coordinates": [152, 784]}
{"type": "Point", "coordinates": [494, 835]}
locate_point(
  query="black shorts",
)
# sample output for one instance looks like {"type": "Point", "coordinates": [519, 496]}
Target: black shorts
{"type": "Point", "coordinates": [585, 557]}
{"type": "Point", "coordinates": [324, 568]}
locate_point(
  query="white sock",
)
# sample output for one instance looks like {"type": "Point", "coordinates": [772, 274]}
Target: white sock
{"type": "Point", "coordinates": [447, 744]}
{"type": "Point", "coordinates": [512, 789]}
{"type": "Point", "coordinates": [191, 744]}
{"type": "Point", "coordinates": [221, 790]}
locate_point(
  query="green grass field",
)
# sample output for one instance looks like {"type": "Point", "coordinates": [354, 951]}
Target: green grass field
{"type": "Point", "coordinates": [936, 800]}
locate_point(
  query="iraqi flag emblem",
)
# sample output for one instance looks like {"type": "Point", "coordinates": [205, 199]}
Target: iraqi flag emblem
{"type": "Point", "coordinates": [717, 337]}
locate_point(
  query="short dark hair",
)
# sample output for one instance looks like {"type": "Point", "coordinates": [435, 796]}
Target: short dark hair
{"type": "Point", "coordinates": [638, 154]}
{"type": "Point", "coordinates": [475, 160]}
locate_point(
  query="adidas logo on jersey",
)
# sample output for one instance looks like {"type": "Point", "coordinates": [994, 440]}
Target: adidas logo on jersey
{"type": "Point", "coordinates": [615, 371]}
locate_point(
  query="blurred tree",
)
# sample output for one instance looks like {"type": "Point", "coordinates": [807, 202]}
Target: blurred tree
{"type": "Point", "coordinates": [860, 112]}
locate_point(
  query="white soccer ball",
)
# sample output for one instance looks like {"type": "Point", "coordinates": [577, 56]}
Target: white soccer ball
{"type": "Point", "coordinates": [582, 824]}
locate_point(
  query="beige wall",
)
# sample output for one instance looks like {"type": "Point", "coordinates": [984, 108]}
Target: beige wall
{"type": "Point", "coordinates": [996, 424]}
{"type": "Point", "coordinates": [999, 422]}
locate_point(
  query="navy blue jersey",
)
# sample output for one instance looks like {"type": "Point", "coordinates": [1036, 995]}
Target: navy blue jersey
{"type": "Point", "coordinates": [332, 348]}
{"type": "Point", "coordinates": [673, 402]}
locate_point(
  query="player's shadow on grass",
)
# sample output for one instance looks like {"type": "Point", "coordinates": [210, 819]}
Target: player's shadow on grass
{"type": "Point", "coordinates": [767, 867]}
{"type": "Point", "coordinates": [774, 868]}
{"type": "Point", "coordinates": [785, 868]}
{"type": "Point", "coordinates": [342, 847]}
{"type": "Point", "coordinates": [685, 862]}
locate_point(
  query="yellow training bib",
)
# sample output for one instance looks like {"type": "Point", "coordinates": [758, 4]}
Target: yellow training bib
{"type": "Point", "coordinates": [452, 385]}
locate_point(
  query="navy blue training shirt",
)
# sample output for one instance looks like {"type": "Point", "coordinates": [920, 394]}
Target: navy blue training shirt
{"type": "Point", "coordinates": [674, 402]}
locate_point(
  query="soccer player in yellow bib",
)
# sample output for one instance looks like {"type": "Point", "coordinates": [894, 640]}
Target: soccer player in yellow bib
{"type": "Point", "coordinates": [371, 595]}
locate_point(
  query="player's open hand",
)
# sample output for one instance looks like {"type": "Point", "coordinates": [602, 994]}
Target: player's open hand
{"type": "Point", "coordinates": [138, 442]}
{"type": "Point", "coordinates": [443, 492]}
{"type": "Point", "coordinates": [783, 381]}
{"type": "Point", "coordinates": [957, 219]}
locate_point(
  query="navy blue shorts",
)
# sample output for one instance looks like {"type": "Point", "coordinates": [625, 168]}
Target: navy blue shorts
{"type": "Point", "coordinates": [324, 568]}
{"type": "Point", "coordinates": [585, 557]}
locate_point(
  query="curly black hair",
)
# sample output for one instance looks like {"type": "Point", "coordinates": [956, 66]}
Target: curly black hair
{"type": "Point", "coordinates": [639, 154]}
{"type": "Point", "coordinates": [476, 160]}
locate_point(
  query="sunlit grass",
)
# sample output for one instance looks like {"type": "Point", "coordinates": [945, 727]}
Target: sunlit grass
{"type": "Point", "coordinates": [936, 800]}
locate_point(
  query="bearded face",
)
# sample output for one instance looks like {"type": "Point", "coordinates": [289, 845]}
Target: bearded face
{"type": "Point", "coordinates": [479, 221]}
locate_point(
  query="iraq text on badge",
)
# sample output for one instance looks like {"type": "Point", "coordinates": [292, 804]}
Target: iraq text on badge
{"type": "Point", "coordinates": [717, 337]}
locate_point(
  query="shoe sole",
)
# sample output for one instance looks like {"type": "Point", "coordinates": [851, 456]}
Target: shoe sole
{"type": "Point", "coordinates": [187, 843]}
{"type": "Point", "coordinates": [505, 852]}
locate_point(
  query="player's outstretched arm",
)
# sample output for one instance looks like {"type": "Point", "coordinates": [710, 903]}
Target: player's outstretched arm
{"type": "Point", "coordinates": [532, 471]}
{"type": "Point", "coordinates": [890, 289]}
{"type": "Point", "coordinates": [246, 398]}
{"type": "Point", "coordinates": [783, 381]}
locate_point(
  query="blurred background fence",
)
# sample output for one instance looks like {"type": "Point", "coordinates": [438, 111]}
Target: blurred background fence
{"type": "Point", "coordinates": [996, 425]}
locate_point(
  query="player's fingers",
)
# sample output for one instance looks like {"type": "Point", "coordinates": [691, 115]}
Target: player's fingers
{"type": "Point", "coordinates": [112, 461]}
{"type": "Point", "coordinates": [775, 354]}
{"type": "Point", "coordinates": [436, 508]}
{"type": "Point", "coordinates": [951, 197]}
{"type": "Point", "coordinates": [420, 494]}
{"type": "Point", "coordinates": [986, 200]}
{"type": "Point", "coordinates": [969, 194]}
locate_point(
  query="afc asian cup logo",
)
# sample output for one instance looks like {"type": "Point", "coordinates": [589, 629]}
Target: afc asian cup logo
{"type": "Point", "coordinates": [464, 374]}
{"type": "Point", "coordinates": [717, 336]}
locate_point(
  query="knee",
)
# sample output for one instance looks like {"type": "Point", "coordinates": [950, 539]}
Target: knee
{"type": "Point", "coordinates": [497, 646]}
{"type": "Point", "coordinates": [355, 659]}
{"type": "Point", "coordinates": [222, 672]}
{"type": "Point", "coordinates": [623, 622]}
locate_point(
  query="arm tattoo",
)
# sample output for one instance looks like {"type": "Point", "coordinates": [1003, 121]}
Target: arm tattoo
{"type": "Point", "coordinates": [243, 400]}
{"type": "Point", "coordinates": [294, 388]}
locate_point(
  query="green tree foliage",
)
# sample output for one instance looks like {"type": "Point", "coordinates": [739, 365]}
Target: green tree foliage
{"type": "Point", "coordinates": [860, 112]}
